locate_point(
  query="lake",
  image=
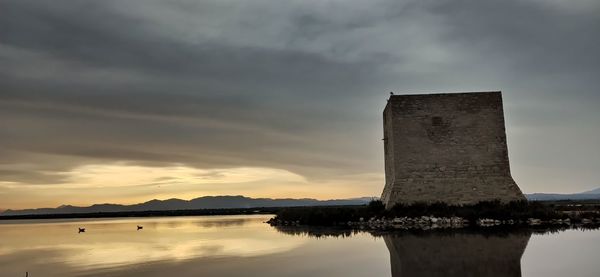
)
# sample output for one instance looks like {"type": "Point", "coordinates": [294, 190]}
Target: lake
{"type": "Point", "coordinates": [245, 246]}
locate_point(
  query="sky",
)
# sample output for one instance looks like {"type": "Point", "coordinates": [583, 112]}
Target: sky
{"type": "Point", "coordinates": [126, 101]}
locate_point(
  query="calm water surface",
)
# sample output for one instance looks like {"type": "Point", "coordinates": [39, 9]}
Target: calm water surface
{"type": "Point", "coordinates": [245, 246]}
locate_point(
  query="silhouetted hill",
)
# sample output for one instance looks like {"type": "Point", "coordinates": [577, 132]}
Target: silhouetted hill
{"type": "Point", "coordinates": [594, 191]}
{"type": "Point", "coordinates": [586, 195]}
{"type": "Point", "coordinates": [206, 202]}
{"type": "Point", "coordinates": [236, 202]}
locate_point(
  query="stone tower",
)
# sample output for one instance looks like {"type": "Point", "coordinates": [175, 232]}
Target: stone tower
{"type": "Point", "coordinates": [447, 147]}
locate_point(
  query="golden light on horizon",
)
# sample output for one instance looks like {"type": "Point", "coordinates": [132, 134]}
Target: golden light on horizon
{"type": "Point", "coordinates": [126, 175]}
{"type": "Point", "coordinates": [127, 183]}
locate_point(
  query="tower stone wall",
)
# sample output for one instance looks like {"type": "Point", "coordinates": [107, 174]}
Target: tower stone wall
{"type": "Point", "coordinates": [446, 147]}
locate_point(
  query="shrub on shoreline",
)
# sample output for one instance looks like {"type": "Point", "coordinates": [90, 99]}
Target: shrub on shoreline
{"type": "Point", "coordinates": [340, 215]}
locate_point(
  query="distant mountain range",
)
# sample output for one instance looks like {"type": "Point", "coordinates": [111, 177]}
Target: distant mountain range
{"type": "Point", "coordinates": [586, 195]}
{"type": "Point", "coordinates": [206, 202]}
{"type": "Point", "coordinates": [594, 191]}
{"type": "Point", "coordinates": [229, 202]}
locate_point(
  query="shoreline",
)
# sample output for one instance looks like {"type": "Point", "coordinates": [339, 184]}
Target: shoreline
{"type": "Point", "coordinates": [166, 213]}
{"type": "Point", "coordinates": [439, 215]}
{"type": "Point", "coordinates": [425, 223]}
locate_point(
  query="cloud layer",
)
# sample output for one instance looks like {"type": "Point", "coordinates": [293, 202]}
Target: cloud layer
{"type": "Point", "coordinates": [296, 86]}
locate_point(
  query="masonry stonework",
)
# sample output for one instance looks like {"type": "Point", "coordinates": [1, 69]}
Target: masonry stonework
{"type": "Point", "coordinates": [446, 147]}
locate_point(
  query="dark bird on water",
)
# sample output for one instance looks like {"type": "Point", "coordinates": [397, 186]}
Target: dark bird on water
{"type": "Point", "coordinates": [140, 227]}
{"type": "Point", "coordinates": [81, 230]}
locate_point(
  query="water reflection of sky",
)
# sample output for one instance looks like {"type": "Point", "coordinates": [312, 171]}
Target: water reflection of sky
{"type": "Point", "coordinates": [117, 242]}
{"type": "Point", "coordinates": [245, 246]}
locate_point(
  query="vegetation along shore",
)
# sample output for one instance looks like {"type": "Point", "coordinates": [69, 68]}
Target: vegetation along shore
{"type": "Point", "coordinates": [441, 215]}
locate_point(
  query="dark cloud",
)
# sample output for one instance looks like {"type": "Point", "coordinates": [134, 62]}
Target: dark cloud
{"type": "Point", "coordinates": [31, 177]}
{"type": "Point", "coordinates": [297, 86]}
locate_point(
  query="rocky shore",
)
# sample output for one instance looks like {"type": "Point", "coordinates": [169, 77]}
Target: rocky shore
{"type": "Point", "coordinates": [432, 222]}
{"type": "Point", "coordinates": [426, 216]}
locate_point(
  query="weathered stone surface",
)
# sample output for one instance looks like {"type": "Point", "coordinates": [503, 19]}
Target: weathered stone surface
{"type": "Point", "coordinates": [446, 147]}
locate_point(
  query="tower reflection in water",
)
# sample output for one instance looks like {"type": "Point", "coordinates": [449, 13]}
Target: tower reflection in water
{"type": "Point", "coordinates": [456, 254]}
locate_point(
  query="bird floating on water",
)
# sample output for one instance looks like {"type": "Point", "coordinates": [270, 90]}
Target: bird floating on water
{"type": "Point", "coordinates": [140, 227]}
